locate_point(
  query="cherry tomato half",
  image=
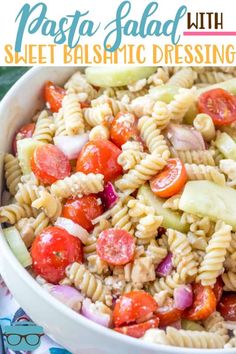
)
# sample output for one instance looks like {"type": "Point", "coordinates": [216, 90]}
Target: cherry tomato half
{"type": "Point", "coordinates": [204, 303]}
{"type": "Point", "coordinates": [138, 330]}
{"type": "Point", "coordinates": [132, 307]}
{"type": "Point", "coordinates": [52, 251]}
{"type": "Point", "coordinates": [171, 179]}
{"type": "Point", "coordinates": [116, 246]}
{"type": "Point", "coordinates": [218, 289]}
{"type": "Point", "coordinates": [220, 105]}
{"type": "Point", "coordinates": [100, 156]}
{"type": "Point", "coordinates": [82, 210]}
{"type": "Point", "coordinates": [168, 314]}
{"type": "Point", "coordinates": [227, 307]}
{"type": "Point", "coordinates": [53, 96]}
{"type": "Point", "coordinates": [124, 128]}
{"type": "Point", "coordinates": [49, 164]}
{"type": "Point", "coordinates": [24, 132]}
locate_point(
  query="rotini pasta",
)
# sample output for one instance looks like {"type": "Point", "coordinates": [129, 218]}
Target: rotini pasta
{"type": "Point", "coordinates": [204, 124]}
{"type": "Point", "coordinates": [212, 263]}
{"type": "Point", "coordinates": [198, 157]}
{"type": "Point", "coordinates": [73, 116]}
{"type": "Point", "coordinates": [76, 184]}
{"type": "Point", "coordinates": [44, 128]}
{"type": "Point", "coordinates": [201, 172]}
{"type": "Point", "coordinates": [12, 173]}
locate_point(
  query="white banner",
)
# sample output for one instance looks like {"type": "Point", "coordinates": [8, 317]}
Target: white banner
{"type": "Point", "coordinates": [164, 32]}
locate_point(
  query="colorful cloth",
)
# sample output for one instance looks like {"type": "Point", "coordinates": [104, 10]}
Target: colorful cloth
{"type": "Point", "coordinates": [10, 312]}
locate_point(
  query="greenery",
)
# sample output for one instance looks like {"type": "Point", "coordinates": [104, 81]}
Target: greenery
{"type": "Point", "coordinates": [8, 76]}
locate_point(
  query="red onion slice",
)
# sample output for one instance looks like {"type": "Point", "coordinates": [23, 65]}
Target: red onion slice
{"type": "Point", "coordinates": [165, 267]}
{"type": "Point", "coordinates": [66, 294]}
{"type": "Point", "coordinates": [91, 311]}
{"type": "Point", "coordinates": [184, 137]}
{"type": "Point", "coordinates": [183, 297]}
{"type": "Point", "coordinates": [71, 145]}
{"type": "Point", "coordinates": [108, 196]}
{"type": "Point", "coordinates": [73, 229]}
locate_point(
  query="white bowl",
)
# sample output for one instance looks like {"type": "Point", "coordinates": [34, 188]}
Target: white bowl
{"type": "Point", "coordinates": [66, 327]}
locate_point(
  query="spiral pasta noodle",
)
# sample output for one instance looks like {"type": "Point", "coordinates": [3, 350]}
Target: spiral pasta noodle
{"type": "Point", "coordinates": [213, 77]}
{"type": "Point", "coordinates": [146, 229]}
{"type": "Point", "coordinates": [172, 202]}
{"type": "Point", "coordinates": [198, 157]}
{"type": "Point", "coordinates": [12, 213]}
{"type": "Point", "coordinates": [44, 128]}
{"type": "Point", "coordinates": [169, 283]}
{"type": "Point", "coordinates": [156, 252]}
{"type": "Point", "coordinates": [181, 104]}
{"type": "Point", "coordinates": [79, 84]}
{"type": "Point", "coordinates": [215, 324]}
{"type": "Point", "coordinates": [100, 132]}
{"type": "Point", "coordinates": [203, 172]}
{"type": "Point", "coordinates": [77, 184]}
{"type": "Point", "coordinates": [97, 115]}
{"type": "Point", "coordinates": [142, 172]}
{"type": "Point", "coordinates": [155, 142]}
{"type": "Point", "coordinates": [229, 280]}
{"type": "Point", "coordinates": [183, 78]}
{"type": "Point", "coordinates": [120, 217]}
{"type": "Point", "coordinates": [183, 257]}
{"type": "Point", "coordinates": [87, 283]}
{"type": "Point", "coordinates": [212, 264]}
{"type": "Point", "coordinates": [60, 124]}
{"type": "Point", "coordinates": [193, 339]}
{"type": "Point", "coordinates": [73, 116]}
{"type": "Point", "coordinates": [12, 173]}
{"type": "Point", "coordinates": [204, 124]}
{"type": "Point", "coordinates": [161, 114]}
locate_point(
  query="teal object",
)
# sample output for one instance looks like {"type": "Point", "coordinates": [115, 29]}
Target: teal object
{"type": "Point", "coordinates": [23, 335]}
{"type": "Point", "coordinates": [8, 76]}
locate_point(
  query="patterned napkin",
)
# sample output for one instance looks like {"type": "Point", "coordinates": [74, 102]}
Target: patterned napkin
{"type": "Point", "coordinates": [11, 312]}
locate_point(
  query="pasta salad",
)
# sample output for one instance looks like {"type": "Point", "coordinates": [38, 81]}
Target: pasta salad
{"type": "Point", "coordinates": [120, 201]}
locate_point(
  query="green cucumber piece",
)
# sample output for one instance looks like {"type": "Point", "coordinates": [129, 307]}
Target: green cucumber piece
{"type": "Point", "coordinates": [17, 246]}
{"type": "Point", "coordinates": [205, 198]}
{"type": "Point", "coordinates": [226, 145]}
{"type": "Point", "coordinates": [191, 326]}
{"type": "Point", "coordinates": [171, 219]}
{"type": "Point", "coordinates": [164, 93]}
{"type": "Point", "coordinates": [112, 76]}
{"type": "Point", "coordinates": [25, 149]}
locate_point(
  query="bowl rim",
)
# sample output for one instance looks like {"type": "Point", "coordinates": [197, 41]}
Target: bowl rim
{"type": "Point", "coordinates": [56, 304]}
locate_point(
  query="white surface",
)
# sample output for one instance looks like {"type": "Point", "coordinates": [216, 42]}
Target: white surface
{"type": "Point", "coordinates": [66, 327]}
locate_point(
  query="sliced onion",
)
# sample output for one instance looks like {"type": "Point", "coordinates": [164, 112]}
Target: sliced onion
{"type": "Point", "coordinates": [183, 297]}
{"type": "Point", "coordinates": [108, 196]}
{"type": "Point", "coordinates": [91, 311]}
{"type": "Point", "coordinates": [71, 145]}
{"type": "Point", "coordinates": [66, 294]}
{"type": "Point", "coordinates": [165, 267]}
{"type": "Point", "coordinates": [73, 229]}
{"type": "Point", "coordinates": [185, 137]}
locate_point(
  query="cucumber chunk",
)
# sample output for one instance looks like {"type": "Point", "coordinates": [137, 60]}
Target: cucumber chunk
{"type": "Point", "coordinates": [17, 246]}
{"type": "Point", "coordinates": [171, 219]}
{"type": "Point", "coordinates": [164, 93]}
{"type": "Point", "coordinates": [191, 326]}
{"type": "Point", "coordinates": [226, 145]}
{"type": "Point", "coordinates": [111, 76]}
{"type": "Point", "coordinates": [25, 148]}
{"type": "Point", "coordinates": [205, 198]}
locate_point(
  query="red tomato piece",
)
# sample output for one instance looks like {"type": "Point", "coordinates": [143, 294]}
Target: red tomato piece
{"type": "Point", "coordinates": [168, 314]}
{"type": "Point", "coordinates": [24, 132]}
{"type": "Point", "coordinates": [100, 156]}
{"type": "Point", "coordinates": [124, 128]}
{"type": "Point", "coordinates": [171, 180]}
{"type": "Point", "coordinates": [138, 330]}
{"type": "Point", "coordinates": [82, 210]}
{"type": "Point", "coordinates": [52, 251]}
{"type": "Point", "coordinates": [204, 303]}
{"type": "Point", "coordinates": [227, 307]}
{"type": "Point", "coordinates": [53, 96]}
{"type": "Point", "coordinates": [218, 289]}
{"type": "Point", "coordinates": [49, 164]}
{"type": "Point", "coordinates": [219, 104]}
{"type": "Point", "coordinates": [116, 246]}
{"type": "Point", "coordinates": [133, 307]}
{"type": "Point", "coordinates": [85, 104]}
